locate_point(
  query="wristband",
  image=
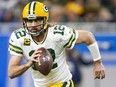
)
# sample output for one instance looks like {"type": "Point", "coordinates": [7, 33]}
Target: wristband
{"type": "Point", "coordinates": [94, 50]}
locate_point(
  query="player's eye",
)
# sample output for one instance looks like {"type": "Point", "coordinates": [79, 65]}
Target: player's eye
{"type": "Point", "coordinates": [39, 19]}
{"type": "Point", "coordinates": [28, 20]}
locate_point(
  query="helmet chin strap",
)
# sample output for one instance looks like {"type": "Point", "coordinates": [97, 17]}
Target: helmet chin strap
{"type": "Point", "coordinates": [37, 33]}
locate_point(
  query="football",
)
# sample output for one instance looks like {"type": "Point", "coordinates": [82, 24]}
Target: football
{"type": "Point", "coordinates": [46, 62]}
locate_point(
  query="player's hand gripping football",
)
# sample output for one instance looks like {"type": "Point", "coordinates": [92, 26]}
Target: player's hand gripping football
{"type": "Point", "coordinates": [99, 70]}
{"type": "Point", "coordinates": [35, 57]}
{"type": "Point", "coordinates": [42, 61]}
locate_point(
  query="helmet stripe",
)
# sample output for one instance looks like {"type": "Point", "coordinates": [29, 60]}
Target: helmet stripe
{"type": "Point", "coordinates": [32, 8]}
{"type": "Point", "coordinates": [29, 8]}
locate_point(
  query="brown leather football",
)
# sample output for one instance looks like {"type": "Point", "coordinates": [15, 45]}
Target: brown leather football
{"type": "Point", "coordinates": [46, 62]}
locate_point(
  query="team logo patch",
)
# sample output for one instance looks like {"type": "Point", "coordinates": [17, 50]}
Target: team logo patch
{"type": "Point", "coordinates": [45, 8]}
{"type": "Point", "coordinates": [26, 41]}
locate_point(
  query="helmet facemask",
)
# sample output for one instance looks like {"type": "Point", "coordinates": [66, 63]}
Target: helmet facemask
{"type": "Point", "coordinates": [43, 27]}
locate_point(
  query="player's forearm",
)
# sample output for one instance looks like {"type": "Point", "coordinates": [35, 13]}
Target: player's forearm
{"type": "Point", "coordinates": [15, 71]}
{"type": "Point", "coordinates": [89, 39]}
{"type": "Point", "coordinates": [93, 47]}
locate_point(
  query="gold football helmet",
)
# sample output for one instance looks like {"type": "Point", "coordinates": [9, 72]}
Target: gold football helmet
{"type": "Point", "coordinates": [34, 10]}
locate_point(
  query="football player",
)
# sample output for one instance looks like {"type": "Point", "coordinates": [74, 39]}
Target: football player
{"type": "Point", "coordinates": [37, 33]}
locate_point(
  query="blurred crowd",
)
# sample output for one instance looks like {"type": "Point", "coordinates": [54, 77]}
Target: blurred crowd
{"type": "Point", "coordinates": [63, 10]}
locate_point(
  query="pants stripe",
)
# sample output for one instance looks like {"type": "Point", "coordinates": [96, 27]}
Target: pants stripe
{"type": "Point", "coordinates": [64, 85]}
{"type": "Point", "coordinates": [68, 84]}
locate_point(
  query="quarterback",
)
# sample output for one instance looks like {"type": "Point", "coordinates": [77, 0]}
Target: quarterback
{"type": "Point", "coordinates": [38, 33]}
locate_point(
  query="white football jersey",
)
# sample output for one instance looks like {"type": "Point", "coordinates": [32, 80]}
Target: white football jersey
{"type": "Point", "coordinates": [57, 38]}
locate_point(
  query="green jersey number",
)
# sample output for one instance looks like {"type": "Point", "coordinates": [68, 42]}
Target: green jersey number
{"type": "Point", "coordinates": [59, 30]}
{"type": "Point", "coordinates": [20, 34]}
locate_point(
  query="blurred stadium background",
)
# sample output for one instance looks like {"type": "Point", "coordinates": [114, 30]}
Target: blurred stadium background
{"type": "Point", "coordinates": [97, 16]}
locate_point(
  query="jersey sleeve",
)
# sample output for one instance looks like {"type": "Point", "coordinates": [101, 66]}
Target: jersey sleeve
{"type": "Point", "coordinates": [14, 46]}
{"type": "Point", "coordinates": [69, 38]}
